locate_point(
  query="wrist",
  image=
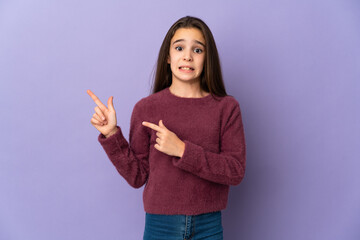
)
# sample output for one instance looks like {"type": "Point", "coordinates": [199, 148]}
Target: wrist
{"type": "Point", "coordinates": [112, 132]}
{"type": "Point", "coordinates": [182, 149]}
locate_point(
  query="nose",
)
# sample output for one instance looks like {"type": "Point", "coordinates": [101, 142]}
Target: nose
{"type": "Point", "coordinates": [187, 56]}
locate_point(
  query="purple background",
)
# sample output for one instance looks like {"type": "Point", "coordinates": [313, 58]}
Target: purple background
{"type": "Point", "coordinates": [294, 67]}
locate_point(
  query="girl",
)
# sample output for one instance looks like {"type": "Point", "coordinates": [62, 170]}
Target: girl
{"type": "Point", "coordinates": [186, 140]}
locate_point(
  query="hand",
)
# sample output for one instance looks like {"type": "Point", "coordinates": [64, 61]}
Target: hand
{"type": "Point", "coordinates": [167, 141]}
{"type": "Point", "coordinates": [104, 119]}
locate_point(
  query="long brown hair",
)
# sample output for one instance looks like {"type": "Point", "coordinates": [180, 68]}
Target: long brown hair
{"type": "Point", "coordinates": [211, 77]}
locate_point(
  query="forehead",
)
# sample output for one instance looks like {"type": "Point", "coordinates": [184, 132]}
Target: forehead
{"type": "Point", "coordinates": [188, 34]}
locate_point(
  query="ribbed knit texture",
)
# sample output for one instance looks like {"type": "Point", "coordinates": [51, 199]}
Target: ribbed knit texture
{"type": "Point", "coordinates": [214, 155]}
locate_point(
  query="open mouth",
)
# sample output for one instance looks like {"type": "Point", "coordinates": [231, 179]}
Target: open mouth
{"type": "Point", "coordinates": [186, 68]}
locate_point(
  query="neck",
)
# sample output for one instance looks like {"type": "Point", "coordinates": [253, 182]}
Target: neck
{"type": "Point", "coordinates": [187, 90]}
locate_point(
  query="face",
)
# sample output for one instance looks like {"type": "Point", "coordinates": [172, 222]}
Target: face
{"type": "Point", "coordinates": [187, 55]}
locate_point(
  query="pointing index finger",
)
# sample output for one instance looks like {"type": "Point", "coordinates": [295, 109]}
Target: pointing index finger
{"type": "Point", "coordinates": [152, 126]}
{"type": "Point", "coordinates": [96, 100]}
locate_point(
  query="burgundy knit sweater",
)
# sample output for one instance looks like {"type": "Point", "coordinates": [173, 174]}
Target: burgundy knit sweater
{"type": "Point", "coordinates": [214, 155]}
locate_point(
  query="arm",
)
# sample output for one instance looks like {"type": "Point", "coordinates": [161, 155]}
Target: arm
{"type": "Point", "coordinates": [226, 167]}
{"type": "Point", "coordinates": [130, 160]}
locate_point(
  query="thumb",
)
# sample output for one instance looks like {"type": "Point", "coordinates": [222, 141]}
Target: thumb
{"type": "Point", "coordinates": [110, 103]}
{"type": "Point", "coordinates": [161, 124]}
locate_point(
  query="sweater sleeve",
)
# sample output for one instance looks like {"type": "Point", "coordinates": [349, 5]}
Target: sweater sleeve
{"type": "Point", "coordinates": [130, 159]}
{"type": "Point", "coordinates": [226, 167]}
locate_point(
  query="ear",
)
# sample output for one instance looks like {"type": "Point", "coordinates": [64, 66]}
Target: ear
{"type": "Point", "coordinates": [168, 59]}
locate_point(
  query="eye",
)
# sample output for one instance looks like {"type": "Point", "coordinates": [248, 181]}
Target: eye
{"type": "Point", "coordinates": [198, 50]}
{"type": "Point", "coordinates": [178, 48]}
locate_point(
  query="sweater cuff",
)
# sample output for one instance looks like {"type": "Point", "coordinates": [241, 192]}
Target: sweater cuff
{"type": "Point", "coordinates": [190, 160]}
{"type": "Point", "coordinates": [115, 139]}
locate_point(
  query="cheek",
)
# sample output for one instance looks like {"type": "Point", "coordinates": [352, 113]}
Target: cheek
{"type": "Point", "coordinates": [201, 62]}
{"type": "Point", "coordinates": [172, 64]}
{"type": "Point", "coordinates": [171, 58]}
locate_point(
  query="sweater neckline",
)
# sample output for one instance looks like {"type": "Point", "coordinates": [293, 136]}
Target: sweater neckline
{"type": "Point", "coordinates": [178, 98]}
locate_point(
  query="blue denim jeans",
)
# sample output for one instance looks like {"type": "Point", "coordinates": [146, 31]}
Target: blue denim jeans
{"type": "Point", "coordinates": [206, 226]}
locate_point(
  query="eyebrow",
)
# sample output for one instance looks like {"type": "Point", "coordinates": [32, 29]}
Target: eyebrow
{"type": "Point", "coordinates": [181, 40]}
